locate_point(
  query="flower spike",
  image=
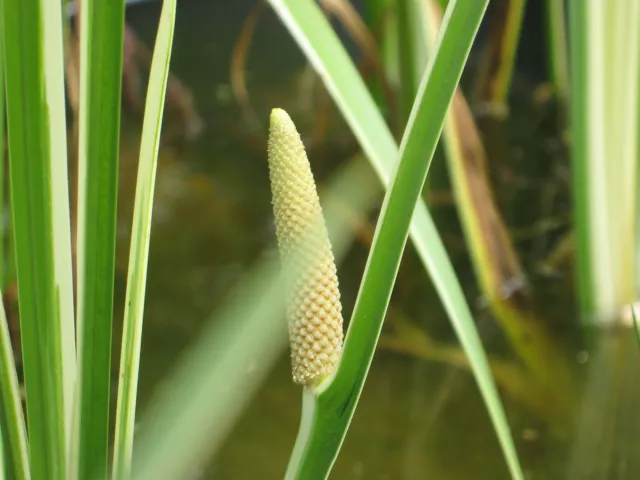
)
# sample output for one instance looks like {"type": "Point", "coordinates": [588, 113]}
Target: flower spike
{"type": "Point", "coordinates": [314, 310]}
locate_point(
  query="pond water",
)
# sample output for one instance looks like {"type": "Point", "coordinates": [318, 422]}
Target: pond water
{"type": "Point", "coordinates": [416, 418]}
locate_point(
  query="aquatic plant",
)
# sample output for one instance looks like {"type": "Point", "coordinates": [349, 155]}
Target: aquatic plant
{"type": "Point", "coordinates": [605, 86]}
{"type": "Point", "coordinates": [68, 410]}
{"type": "Point", "coordinates": [327, 412]}
{"type": "Point", "coordinates": [67, 388]}
{"type": "Point", "coordinates": [326, 54]}
{"type": "Point", "coordinates": [67, 396]}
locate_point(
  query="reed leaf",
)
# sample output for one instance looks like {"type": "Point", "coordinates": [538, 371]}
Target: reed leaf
{"type": "Point", "coordinates": [2, 467]}
{"type": "Point", "coordinates": [324, 50]}
{"type": "Point", "coordinates": [40, 210]}
{"type": "Point", "coordinates": [101, 38]}
{"type": "Point", "coordinates": [140, 238]}
{"type": "Point", "coordinates": [605, 81]}
{"type": "Point", "coordinates": [3, 267]}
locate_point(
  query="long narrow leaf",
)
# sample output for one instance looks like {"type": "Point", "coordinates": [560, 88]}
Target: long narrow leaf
{"type": "Point", "coordinates": [620, 162]}
{"type": "Point", "coordinates": [140, 237]}
{"type": "Point", "coordinates": [3, 276]}
{"type": "Point", "coordinates": [2, 467]}
{"type": "Point", "coordinates": [605, 79]}
{"type": "Point", "coordinates": [101, 38]}
{"type": "Point", "coordinates": [582, 145]}
{"type": "Point", "coordinates": [40, 208]}
{"type": "Point", "coordinates": [11, 415]}
{"type": "Point", "coordinates": [322, 47]}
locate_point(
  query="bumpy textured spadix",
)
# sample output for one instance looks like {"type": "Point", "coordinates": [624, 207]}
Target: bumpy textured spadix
{"type": "Point", "coordinates": [313, 299]}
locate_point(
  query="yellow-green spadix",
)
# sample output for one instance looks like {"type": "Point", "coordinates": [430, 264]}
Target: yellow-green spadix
{"type": "Point", "coordinates": [314, 310]}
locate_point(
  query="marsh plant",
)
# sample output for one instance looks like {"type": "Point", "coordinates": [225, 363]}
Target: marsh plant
{"type": "Point", "coordinates": [67, 384]}
{"type": "Point", "coordinates": [66, 345]}
{"type": "Point", "coordinates": [66, 306]}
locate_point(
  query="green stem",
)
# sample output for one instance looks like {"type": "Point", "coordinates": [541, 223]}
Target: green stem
{"type": "Point", "coordinates": [500, 55]}
{"type": "Point", "coordinates": [409, 78]}
{"type": "Point", "coordinates": [557, 40]}
{"type": "Point", "coordinates": [509, 50]}
{"type": "Point", "coordinates": [309, 423]}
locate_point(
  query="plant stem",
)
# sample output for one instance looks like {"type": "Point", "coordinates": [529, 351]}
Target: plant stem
{"type": "Point", "coordinates": [500, 54]}
{"type": "Point", "coordinates": [557, 42]}
{"type": "Point", "coordinates": [409, 76]}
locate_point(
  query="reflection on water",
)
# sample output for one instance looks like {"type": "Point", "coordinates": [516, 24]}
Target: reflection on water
{"type": "Point", "coordinates": [416, 419]}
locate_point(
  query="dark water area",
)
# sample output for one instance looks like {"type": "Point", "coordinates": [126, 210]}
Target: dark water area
{"type": "Point", "coordinates": [417, 418]}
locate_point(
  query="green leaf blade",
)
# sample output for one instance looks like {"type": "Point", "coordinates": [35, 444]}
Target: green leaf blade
{"type": "Point", "coordinates": [14, 433]}
{"type": "Point", "coordinates": [140, 238]}
{"type": "Point", "coordinates": [3, 275]}
{"type": "Point", "coordinates": [40, 212]}
{"type": "Point", "coordinates": [101, 41]}
{"type": "Point", "coordinates": [605, 86]}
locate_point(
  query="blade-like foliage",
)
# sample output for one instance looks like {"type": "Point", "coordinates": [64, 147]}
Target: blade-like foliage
{"type": "Point", "coordinates": [14, 434]}
{"type": "Point", "coordinates": [2, 467]}
{"type": "Point", "coordinates": [2, 167]}
{"type": "Point", "coordinates": [140, 237]}
{"type": "Point", "coordinates": [101, 38]}
{"type": "Point", "coordinates": [40, 210]}
{"type": "Point", "coordinates": [605, 120]}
